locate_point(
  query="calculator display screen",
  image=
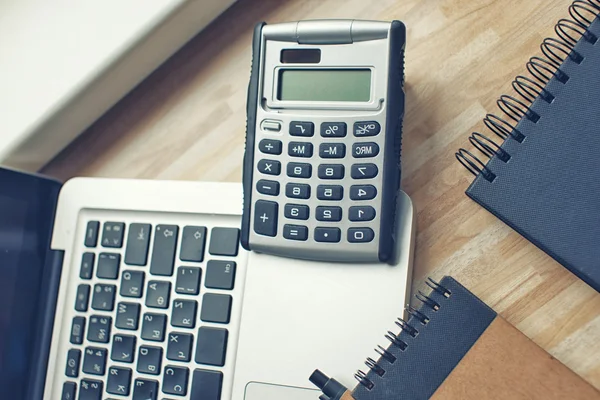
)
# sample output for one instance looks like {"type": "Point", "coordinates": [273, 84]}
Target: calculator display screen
{"type": "Point", "coordinates": [324, 85]}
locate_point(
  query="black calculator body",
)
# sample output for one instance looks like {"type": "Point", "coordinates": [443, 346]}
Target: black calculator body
{"type": "Point", "coordinates": [324, 125]}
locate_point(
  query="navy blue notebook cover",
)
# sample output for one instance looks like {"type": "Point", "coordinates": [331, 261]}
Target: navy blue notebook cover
{"type": "Point", "coordinates": [544, 178]}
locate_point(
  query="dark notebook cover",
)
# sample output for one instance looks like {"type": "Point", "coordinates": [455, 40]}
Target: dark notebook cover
{"type": "Point", "coordinates": [549, 189]}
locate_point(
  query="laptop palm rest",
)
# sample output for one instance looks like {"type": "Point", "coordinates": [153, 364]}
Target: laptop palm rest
{"type": "Point", "coordinates": [265, 391]}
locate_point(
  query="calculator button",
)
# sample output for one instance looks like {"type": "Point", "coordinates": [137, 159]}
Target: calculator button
{"type": "Point", "coordinates": [330, 192]}
{"type": "Point", "coordinates": [362, 192]}
{"type": "Point", "coordinates": [119, 381]}
{"type": "Point", "coordinates": [112, 234]}
{"type": "Point", "coordinates": [361, 213]}
{"type": "Point", "coordinates": [123, 348]}
{"type": "Point", "coordinates": [331, 171]}
{"type": "Point", "coordinates": [99, 330]}
{"type": "Point", "coordinates": [297, 191]}
{"type": "Point", "coordinates": [108, 265]}
{"type": "Point", "coordinates": [163, 252]}
{"type": "Point", "coordinates": [299, 170]}
{"type": "Point", "coordinates": [265, 217]}
{"type": "Point", "coordinates": [360, 235]}
{"type": "Point", "coordinates": [86, 271]}
{"type": "Point", "coordinates": [224, 241]}
{"type": "Point", "coordinates": [206, 384]}
{"type": "Point", "coordinates": [269, 167]}
{"type": "Point", "coordinates": [94, 361]}
{"type": "Point", "coordinates": [333, 129]}
{"type": "Point", "coordinates": [329, 213]}
{"type": "Point", "coordinates": [212, 346]}
{"type": "Point", "coordinates": [82, 298]}
{"type": "Point", "coordinates": [295, 232]}
{"type": "Point", "coordinates": [296, 211]}
{"type": "Point", "coordinates": [364, 150]}
{"type": "Point", "coordinates": [175, 380]}
{"type": "Point", "coordinates": [270, 146]}
{"type": "Point", "coordinates": [300, 149]}
{"type": "Point", "coordinates": [73, 361]}
{"type": "Point", "coordinates": [132, 284]}
{"type": "Point", "coordinates": [331, 235]}
{"type": "Point", "coordinates": [188, 280]}
{"type": "Point", "coordinates": [216, 308]}
{"type": "Point", "coordinates": [299, 128]}
{"type": "Point", "coordinates": [128, 316]}
{"type": "Point", "coordinates": [104, 297]}
{"type": "Point", "coordinates": [332, 150]}
{"type": "Point", "coordinates": [270, 125]}
{"type": "Point", "coordinates": [220, 274]}
{"type": "Point", "coordinates": [270, 188]}
{"type": "Point", "coordinates": [149, 360]}
{"type": "Point", "coordinates": [193, 241]}
{"type": "Point", "coordinates": [180, 346]}
{"type": "Point", "coordinates": [366, 128]}
{"type": "Point", "coordinates": [364, 171]}
{"type": "Point", "coordinates": [77, 329]}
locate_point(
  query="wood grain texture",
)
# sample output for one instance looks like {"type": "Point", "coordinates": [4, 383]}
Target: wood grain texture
{"type": "Point", "coordinates": [187, 121]}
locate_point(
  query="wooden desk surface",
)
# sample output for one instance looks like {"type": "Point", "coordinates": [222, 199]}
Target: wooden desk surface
{"type": "Point", "coordinates": [187, 120]}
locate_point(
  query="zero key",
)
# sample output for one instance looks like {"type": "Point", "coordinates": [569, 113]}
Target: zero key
{"type": "Point", "coordinates": [265, 217]}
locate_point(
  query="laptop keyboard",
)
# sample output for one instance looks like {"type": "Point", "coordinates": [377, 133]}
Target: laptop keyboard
{"type": "Point", "coordinates": [153, 312]}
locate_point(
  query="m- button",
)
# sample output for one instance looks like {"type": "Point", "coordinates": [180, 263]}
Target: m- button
{"type": "Point", "coordinates": [265, 217]}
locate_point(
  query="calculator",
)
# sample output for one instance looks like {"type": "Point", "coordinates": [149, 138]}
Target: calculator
{"type": "Point", "coordinates": [324, 124]}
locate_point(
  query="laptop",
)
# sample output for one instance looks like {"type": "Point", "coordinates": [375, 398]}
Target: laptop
{"type": "Point", "coordinates": [131, 289]}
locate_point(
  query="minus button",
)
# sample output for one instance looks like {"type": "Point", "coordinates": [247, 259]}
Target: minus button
{"type": "Point", "coordinates": [267, 187]}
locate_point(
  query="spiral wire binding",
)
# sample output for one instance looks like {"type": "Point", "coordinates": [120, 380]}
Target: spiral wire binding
{"type": "Point", "coordinates": [541, 69]}
{"type": "Point", "coordinates": [375, 366]}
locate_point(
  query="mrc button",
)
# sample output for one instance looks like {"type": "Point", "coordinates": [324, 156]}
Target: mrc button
{"type": "Point", "coordinates": [364, 150]}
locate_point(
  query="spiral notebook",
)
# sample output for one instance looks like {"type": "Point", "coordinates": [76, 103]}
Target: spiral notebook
{"type": "Point", "coordinates": [456, 347]}
{"type": "Point", "coordinates": [544, 179]}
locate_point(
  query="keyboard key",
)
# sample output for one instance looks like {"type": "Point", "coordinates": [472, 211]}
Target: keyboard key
{"type": "Point", "coordinates": [220, 274]}
{"type": "Point", "coordinates": [82, 298]}
{"type": "Point", "coordinates": [216, 308]}
{"type": "Point", "coordinates": [270, 146]}
{"type": "Point", "coordinates": [153, 327]}
{"type": "Point", "coordinates": [149, 360]}
{"type": "Point", "coordinates": [300, 128]}
{"type": "Point", "coordinates": [332, 214]}
{"type": "Point", "coordinates": [157, 295]}
{"type": "Point", "coordinates": [332, 150]}
{"type": "Point", "coordinates": [184, 313]}
{"type": "Point", "coordinates": [99, 330]}
{"type": "Point", "coordinates": [361, 213]}
{"type": "Point", "coordinates": [163, 253]}
{"type": "Point", "coordinates": [91, 389]}
{"type": "Point", "coordinates": [145, 390]}
{"type": "Point", "coordinates": [296, 211]}
{"type": "Point", "coordinates": [269, 167]}
{"type": "Point", "coordinates": [330, 192]}
{"type": "Point", "coordinates": [265, 217]}
{"type": "Point", "coordinates": [300, 149]}
{"type": "Point", "coordinates": [188, 280]}
{"type": "Point", "coordinates": [193, 241]}
{"type": "Point", "coordinates": [132, 284]}
{"type": "Point", "coordinates": [86, 271]}
{"type": "Point", "coordinates": [179, 347]}
{"type": "Point", "coordinates": [362, 192]}
{"type": "Point", "coordinates": [94, 361]}
{"type": "Point", "coordinates": [175, 380]}
{"type": "Point", "coordinates": [128, 316]}
{"type": "Point", "coordinates": [123, 348]}
{"type": "Point", "coordinates": [297, 191]}
{"type": "Point", "coordinates": [73, 361]}
{"type": "Point", "coordinates": [112, 234]}
{"type": "Point", "coordinates": [108, 265]}
{"type": "Point", "coordinates": [77, 330]}
{"type": "Point", "coordinates": [365, 149]}
{"type": "Point", "coordinates": [295, 232]}
{"type": "Point", "coordinates": [363, 171]}
{"type": "Point", "coordinates": [299, 170]}
{"type": "Point", "coordinates": [224, 241]}
{"type": "Point", "coordinates": [91, 234]}
{"type": "Point", "coordinates": [138, 242]}
{"type": "Point", "coordinates": [104, 297]}
{"type": "Point", "coordinates": [360, 235]}
{"type": "Point", "coordinates": [366, 128]}
{"type": "Point", "coordinates": [331, 171]}
{"type": "Point", "coordinates": [212, 346]}
{"type": "Point", "coordinates": [330, 235]}
{"type": "Point", "coordinates": [69, 391]}
{"type": "Point", "coordinates": [333, 129]}
{"type": "Point", "coordinates": [206, 385]}
{"type": "Point", "coordinates": [270, 188]}
{"type": "Point", "coordinates": [119, 381]}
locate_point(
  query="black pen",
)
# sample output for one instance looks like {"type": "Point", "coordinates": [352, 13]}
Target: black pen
{"type": "Point", "coordinates": [332, 389]}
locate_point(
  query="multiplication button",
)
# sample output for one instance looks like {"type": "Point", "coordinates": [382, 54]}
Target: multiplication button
{"type": "Point", "coordinates": [269, 167]}
{"type": "Point", "coordinates": [295, 232]}
{"type": "Point", "coordinates": [265, 217]}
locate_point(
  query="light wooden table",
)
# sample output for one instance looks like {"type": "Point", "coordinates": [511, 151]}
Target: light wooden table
{"type": "Point", "coordinates": [187, 121]}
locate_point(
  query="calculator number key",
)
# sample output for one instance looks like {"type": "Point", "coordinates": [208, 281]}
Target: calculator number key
{"type": "Point", "coordinates": [300, 128]}
{"type": "Point", "coordinates": [299, 170]}
{"type": "Point", "coordinates": [331, 171]}
{"type": "Point", "coordinates": [361, 213]}
{"type": "Point", "coordinates": [333, 129]}
{"type": "Point", "coordinates": [300, 149]}
{"type": "Point", "coordinates": [296, 211]}
{"type": "Point", "coordinates": [364, 150]}
{"type": "Point", "coordinates": [297, 191]}
{"type": "Point", "coordinates": [360, 235]}
{"type": "Point", "coordinates": [330, 192]}
{"type": "Point", "coordinates": [362, 192]}
{"type": "Point", "coordinates": [332, 214]}
{"type": "Point", "coordinates": [364, 171]}
{"type": "Point", "coordinates": [366, 128]}
{"type": "Point", "coordinates": [269, 167]}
